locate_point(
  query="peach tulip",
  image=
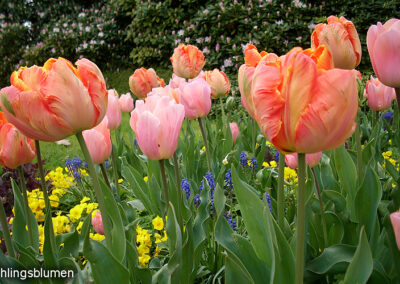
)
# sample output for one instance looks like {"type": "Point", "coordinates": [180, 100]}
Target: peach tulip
{"type": "Point", "coordinates": [383, 42]}
{"type": "Point", "coordinates": [395, 219]}
{"type": "Point", "coordinates": [143, 80]}
{"type": "Point", "coordinates": [176, 81]}
{"type": "Point", "coordinates": [301, 105]}
{"type": "Point", "coordinates": [196, 97]}
{"type": "Point", "coordinates": [379, 96]}
{"type": "Point", "coordinates": [251, 58]}
{"type": "Point", "coordinates": [341, 38]}
{"type": "Point", "coordinates": [187, 61]}
{"type": "Point", "coordinates": [57, 100]}
{"type": "Point", "coordinates": [98, 141]}
{"type": "Point", "coordinates": [219, 83]}
{"type": "Point", "coordinates": [97, 223]}
{"type": "Point", "coordinates": [234, 130]}
{"type": "Point", "coordinates": [113, 113]}
{"type": "Point", "coordinates": [126, 102]}
{"type": "Point", "coordinates": [173, 93]}
{"type": "Point", "coordinates": [15, 148]}
{"type": "Point", "coordinates": [157, 123]}
{"type": "Point", "coordinates": [312, 160]}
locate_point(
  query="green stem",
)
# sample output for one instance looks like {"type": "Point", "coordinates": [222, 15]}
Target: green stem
{"type": "Point", "coordinates": [301, 216]}
{"type": "Point", "coordinates": [114, 166]}
{"type": "Point", "coordinates": [280, 193]}
{"type": "Point", "coordinates": [6, 231]}
{"type": "Point", "coordinates": [26, 204]}
{"type": "Point", "coordinates": [321, 207]}
{"type": "Point", "coordinates": [253, 135]}
{"type": "Point", "coordinates": [165, 185]}
{"type": "Point", "coordinates": [359, 153]}
{"type": "Point", "coordinates": [97, 189]}
{"type": "Point", "coordinates": [398, 106]}
{"type": "Point", "coordinates": [203, 133]}
{"type": "Point", "coordinates": [104, 173]}
{"type": "Point", "coordinates": [223, 112]}
{"type": "Point", "coordinates": [176, 168]}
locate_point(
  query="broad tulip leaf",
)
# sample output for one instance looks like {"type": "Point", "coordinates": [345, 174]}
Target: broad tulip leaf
{"type": "Point", "coordinates": [360, 268]}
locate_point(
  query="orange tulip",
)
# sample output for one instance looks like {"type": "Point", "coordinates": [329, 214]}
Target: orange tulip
{"type": "Point", "coordinates": [15, 148]}
{"type": "Point", "coordinates": [301, 105]}
{"type": "Point", "coordinates": [219, 83]}
{"type": "Point", "coordinates": [143, 80]}
{"type": "Point", "coordinates": [187, 61]}
{"type": "Point", "coordinates": [98, 141]}
{"type": "Point", "coordinates": [57, 100]}
{"type": "Point", "coordinates": [341, 38]}
{"type": "Point", "coordinates": [251, 58]}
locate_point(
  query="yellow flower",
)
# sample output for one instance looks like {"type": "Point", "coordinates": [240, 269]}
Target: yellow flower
{"type": "Point", "coordinates": [265, 164]}
{"type": "Point", "coordinates": [76, 212]}
{"type": "Point", "coordinates": [269, 144]}
{"type": "Point", "coordinates": [165, 238]}
{"type": "Point", "coordinates": [390, 142]}
{"type": "Point", "coordinates": [97, 237]}
{"type": "Point", "coordinates": [143, 249]}
{"type": "Point", "coordinates": [79, 227]}
{"type": "Point", "coordinates": [143, 260]}
{"type": "Point", "coordinates": [85, 199]}
{"type": "Point", "coordinates": [158, 223]}
{"type": "Point", "coordinates": [158, 238]}
{"type": "Point", "coordinates": [146, 178]}
{"type": "Point", "coordinates": [91, 206]}
{"type": "Point", "coordinates": [120, 180]}
{"type": "Point", "coordinates": [156, 251]}
{"type": "Point", "coordinates": [273, 164]}
{"type": "Point", "coordinates": [54, 200]}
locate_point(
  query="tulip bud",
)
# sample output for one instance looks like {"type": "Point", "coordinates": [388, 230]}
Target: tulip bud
{"type": "Point", "coordinates": [218, 82]}
{"type": "Point", "coordinates": [187, 61]}
{"type": "Point", "coordinates": [234, 130]}
{"type": "Point", "coordinates": [143, 80]}
{"type": "Point", "coordinates": [395, 219]}
{"type": "Point", "coordinates": [98, 141]}
{"type": "Point", "coordinates": [126, 102]}
{"type": "Point", "coordinates": [379, 96]}
{"type": "Point", "coordinates": [196, 98]}
{"type": "Point", "coordinates": [229, 103]}
{"type": "Point", "coordinates": [97, 223]}
{"type": "Point", "coordinates": [113, 113]}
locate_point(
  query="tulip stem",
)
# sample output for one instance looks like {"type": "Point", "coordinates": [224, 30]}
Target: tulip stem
{"type": "Point", "coordinates": [203, 133]}
{"type": "Point", "coordinates": [114, 165]}
{"type": "Point", "coordinates": [301, 216]}
{"type": "Point", "coordinates": [280, 193]}
{"type": "Point", "coordinates": [97, 189]}
{"type": "Point", "coordinates": [176, 168]}
{"type": "Point", "coordinates": [44, 189]}
{"type": "Point", "coordinates": [398, 106]}
{"type": "Point", "coordinates": [223, 113]}
{"type": "Point", "coordinates": [6, 231]}
{"type": "Point", "coordinates": [253, 135]}
{"type": "Point", "coordinates": [321, 206]}
{"type": "Point", "coordinates": [103, 171]}
{"type": "Point", "coordinates": [359, 153]}
{"type": "Point", "coordinates": [164, 180]}
{"type": "Point", "coordinates": [26, 204]}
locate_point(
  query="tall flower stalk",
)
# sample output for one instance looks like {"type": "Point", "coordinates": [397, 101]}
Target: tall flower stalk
{"type": "Point", "coordinates": [203, 133]}
{"type": "Point", "coordinates": [301, 216]}
{"type": "Point", "coordinates": [26, 204]}
{"type": "Point", "coordinates": [280, 193]}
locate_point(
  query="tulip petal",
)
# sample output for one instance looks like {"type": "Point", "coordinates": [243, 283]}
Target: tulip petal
{"type": "Point", "coordinates": [387, 57]}
{"type": "Point", "coordinates": [148, 128]}
{"type": "Point", "coordinates": [325, 123]}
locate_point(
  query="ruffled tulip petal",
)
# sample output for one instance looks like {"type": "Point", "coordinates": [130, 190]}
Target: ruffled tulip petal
{"type": "Point", "coordinates": [387, 57]}
{"type": "Point", "coordinates": [245, 80]}
{"type": "Point", "coordinates": [325, 123]}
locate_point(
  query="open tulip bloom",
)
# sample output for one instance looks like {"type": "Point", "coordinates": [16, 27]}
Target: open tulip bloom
{"type": "Point", "coordinates": [57, 100]}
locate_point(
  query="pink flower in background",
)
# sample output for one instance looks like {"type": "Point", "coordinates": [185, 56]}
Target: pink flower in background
{"type": "Point", "coordinates": [113, 113]}
{"type": "Point", "coordinates": [97, 223]}
{"type": "Point", "coordinates": [196, 98]}
{"type": "Point", "coordinates": [98, 141]}
{"type": "Point", "coordinates": [395, 219]}
{"type": "Point", "coordinates": [157, 123]}
{"type": "Point", "coordinates": [167, 91]}
{"type": "Point", "coordinates": [176, 81]}
{"type": "Point", "coordinates": [234, 130]}
{"type": "Point", "coordinates": [311, 160]}
{"type": "Point", "coordinates": [126, 102]}
{"type": "Point", "coordinates": [379, 96]}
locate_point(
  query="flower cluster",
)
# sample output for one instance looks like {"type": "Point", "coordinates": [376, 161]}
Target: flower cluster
{"type": "Point", "coordinates": [228, 179]}
{"type": "Point", "coordinates": [231, 221]}
{"type": "Point", "coordinates": [388, 157]}
{"type": "Point", "coordinates": [185, 187]}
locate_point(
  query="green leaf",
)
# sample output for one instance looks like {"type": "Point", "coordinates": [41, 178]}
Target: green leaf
{"type": "Point", "coordinates": [367, 201]}
{"type": "Point", "coordinates": [361, 266]}
{"type": "Point", "coordinates": [336, 197]}
{"type": "Point", "coordinates": [234, 272]}
{"type": "Point", "coordinates": [175, 246]}
{"type": "Point", "coordinates": [50, 251]}
{"type": "Point", "coordinates": [347, 174]}
{"type": "Point", "coordinates": [257, 226]}
{"type": "Point", "coordinates": [118, 237]}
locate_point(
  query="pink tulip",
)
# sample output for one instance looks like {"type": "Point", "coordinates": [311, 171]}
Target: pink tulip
{"type": "Point", "coordinates": [176, 81]}
{"type": "Point", "coordinates": [196, 97]}
{"type": "Point", "coordinates": [218, 82]}
{"type": "Point", "coordinates": [168, 91]}
{"type": "Point", "coordinates": [311, 160]}
{"type": "Point", "coordinates": [379, 96]}
{"type": "Point", "coordinates": [97, 223]}
{"type": "Point", "coordinates": [234, 130]}
{"type": "Point", "coordinates": [383, 42]}
{"type": "Point", "coordinates": [15, 148]}
{"type": "Point", "coordinates": [57, 100]}
{"type": "Point", "coordinates": [187, 61]}
{"type": "Point", "coordinates": [126, 102]}
{"type": "Point", "coordinates": [341, 38]}
{"type": "Point", "coordinates": [301, 105]}
{"type": "Point", "coordinates": [157, 123]}
{"type": "Point", "coordinates": [395, 218]}
{"type": "Point", "coordinates": [143, 80]}
{"type": "Point", "coordinates": [113, 113]}
{"type": "Point", "coordinates": [98, 141]}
